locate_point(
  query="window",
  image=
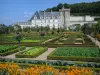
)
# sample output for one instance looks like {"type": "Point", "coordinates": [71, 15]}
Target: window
{"type": "Point", "coordinates": [41, 21]}
{"type": "Point", "coordinates": [49, 21]}
{"type": "Point", "coordinates": [53, 20]}
{"type": "Point", "coordinates": [41, 17]}
{"type": "Point", "coordinates": [35, 17]}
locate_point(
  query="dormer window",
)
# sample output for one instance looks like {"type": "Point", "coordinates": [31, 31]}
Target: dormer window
{"type": "Point", "coordinates": [53, 17]}
{"type": "Point", "coordinates": [35, 17]}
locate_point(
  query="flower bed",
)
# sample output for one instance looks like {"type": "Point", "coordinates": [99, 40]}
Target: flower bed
{"type": "Point", "coordinates": [58, 63]}
{"type": "Point", "coordinates": [34, 52]}
{"type": "Point", "coordinates": [14, 69]}
{"type": "Point", "coordinates": [76, 54]}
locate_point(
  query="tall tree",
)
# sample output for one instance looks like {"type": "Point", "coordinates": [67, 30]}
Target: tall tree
{"type": "Point", "coordinates": [3, 29]}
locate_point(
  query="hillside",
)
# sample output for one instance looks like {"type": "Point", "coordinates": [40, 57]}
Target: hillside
{"type": "Point", "coordinates": [92, 8]}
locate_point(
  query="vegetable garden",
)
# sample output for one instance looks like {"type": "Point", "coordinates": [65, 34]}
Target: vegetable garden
{"type": "Point", "coordinates": [6, 48]}
{"type": "Point", "coordinates": [74, 53]}
{"type": "Point", "coordinates": [33, 52]}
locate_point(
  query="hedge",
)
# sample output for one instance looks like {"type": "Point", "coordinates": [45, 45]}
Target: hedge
{"type": "Point", "coordinates": [12, 51]}
{"type": "Point", "coordinates": [21, 55]}
{"type": "Point", "coordinates": [87, 59]}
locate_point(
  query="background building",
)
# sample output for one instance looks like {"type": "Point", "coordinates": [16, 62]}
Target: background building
{"type": "Point", "coordinates": [58, 19]}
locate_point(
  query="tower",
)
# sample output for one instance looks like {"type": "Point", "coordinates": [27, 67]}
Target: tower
{"type": "Point", "coordinates": [64, 18]}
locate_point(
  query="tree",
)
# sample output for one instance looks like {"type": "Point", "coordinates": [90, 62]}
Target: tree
{"type": "Point", "coordinates": [53, 29]}
{"type": "Point", "coordinates": [26, 29]}
{"type": "Point", "coordinates": [78, 27]}
{"type": "Point", "coordinates": [96, 28]}
{"type": "Point", "coordinates": [11, 28]}
{"type": "Point", "coordinates": [59, 6]}
{"type": "Point", "coordinates": [47, 28]}
{"type": "Point", "coordinates": [3, 29]}
{"type": "Point", "coordinates": [92, 8]}
{"type": "Point", "coordinates": [18, 37]}
{"type": "Point", "coordinates": [17, 28]}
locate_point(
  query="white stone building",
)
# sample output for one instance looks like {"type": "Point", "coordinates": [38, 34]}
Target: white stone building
{"type": "Point", "coordinates": [57, 19]}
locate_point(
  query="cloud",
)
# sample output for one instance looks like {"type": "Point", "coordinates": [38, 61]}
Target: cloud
{"type": "Point", "coordinates": [26, 16]}
{"type": "Point", "coordinates": [28, 13]}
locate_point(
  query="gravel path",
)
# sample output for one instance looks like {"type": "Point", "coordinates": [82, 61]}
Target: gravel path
{"type": "Point", "coordinates": [13, 55]}
{"type": "Point", "coordinates": [41, 57]}
{"type": "Point", "coordinates": [94, 40]}
{"type": "Point", "coordinates": [44, 55]}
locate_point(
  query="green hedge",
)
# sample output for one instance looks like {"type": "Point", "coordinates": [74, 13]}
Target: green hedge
{"type": "Point", "coordinates": [21, 55]}
{"type": "Point", "coordinates": [12, 51]}
{"type": "Point", "coordinates": [87, 59]}
{"type": "Point", "coordinates": [52, 45]}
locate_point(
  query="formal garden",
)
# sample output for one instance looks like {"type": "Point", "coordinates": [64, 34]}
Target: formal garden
{"type": "Point", "coordinates": [50, 51]}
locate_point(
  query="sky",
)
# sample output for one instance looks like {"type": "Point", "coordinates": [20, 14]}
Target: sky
{"type": "Point", "coordinates": [12, 11]}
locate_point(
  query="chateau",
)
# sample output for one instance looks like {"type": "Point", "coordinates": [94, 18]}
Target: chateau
{"type": "Point", "coordinates": [58, 19]}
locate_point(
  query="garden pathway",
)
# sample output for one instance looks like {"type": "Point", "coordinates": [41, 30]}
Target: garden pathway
{"type": "Point", "coordinates": [41, 57]}
{"type": "Point", "coordinates": [94, 40]}
{"type": "Point", "coordinates": [13, 55]}
{"type": "Point", "coordinates": [44, 55]}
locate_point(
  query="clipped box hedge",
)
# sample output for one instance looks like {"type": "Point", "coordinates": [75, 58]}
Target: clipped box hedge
{"type": "Point", "coordinates": [21, 55]}
{"type": "Point", "coordinates": [87, 59]}
{"type": "Point", "coordinates": [12, 51]}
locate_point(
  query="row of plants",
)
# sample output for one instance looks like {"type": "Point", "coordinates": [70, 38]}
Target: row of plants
{"type": "Point", "coordinates": [52, 63]}
{"type": "Point", "coordinates": [33, 52]}
{"type": "Point", "coordinates": [6, 48]}
{"type": "Point", "coordinates": [8, 52]}
{"type": "Point", "coordinates": [14, 69]}
{"type": "Point", "coordinates": [74, 53]}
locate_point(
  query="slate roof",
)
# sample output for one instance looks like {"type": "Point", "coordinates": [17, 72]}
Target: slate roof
{"type": "Point", "coordinates": [45, 14]}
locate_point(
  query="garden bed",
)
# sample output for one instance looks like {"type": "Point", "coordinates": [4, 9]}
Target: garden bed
{"type": "Point", "coordinates": [76, 54]}
{"type": "Point", "coordinates": [9, 49]}
{"type": "Point", "coordinates": [31, 53]}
